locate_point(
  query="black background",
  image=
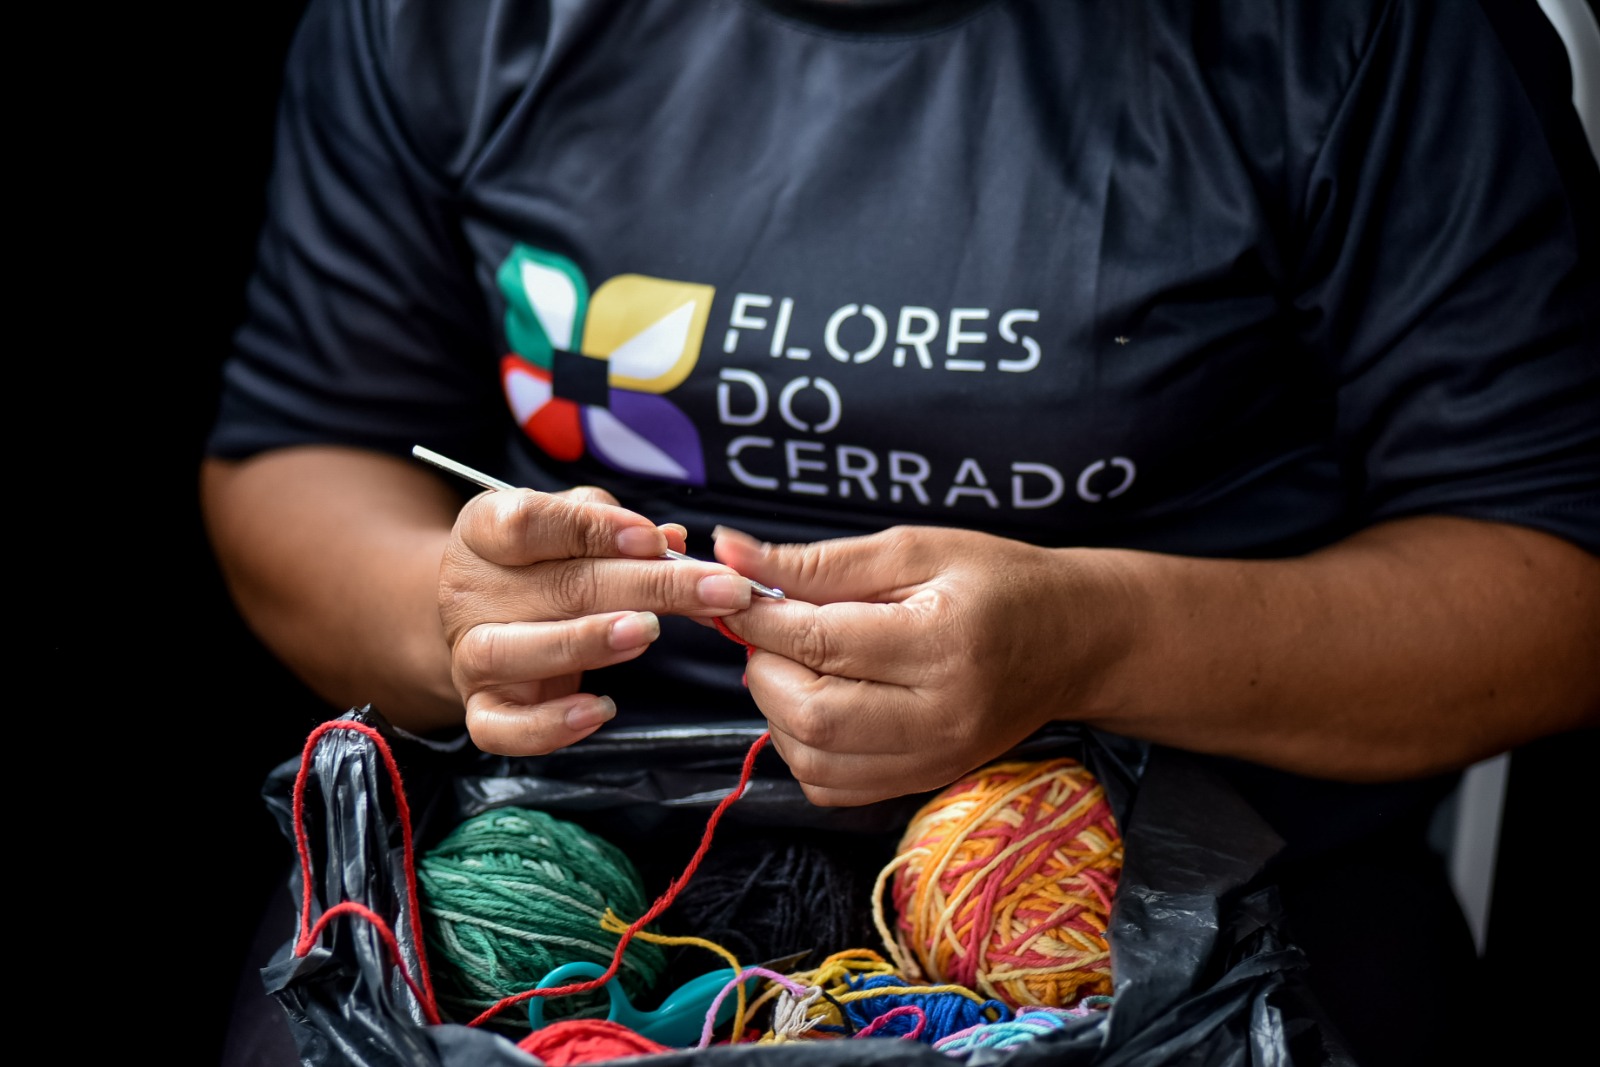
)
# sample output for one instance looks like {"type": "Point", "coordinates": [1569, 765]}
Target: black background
{"type": "Point", "coordinates": [150, 716]}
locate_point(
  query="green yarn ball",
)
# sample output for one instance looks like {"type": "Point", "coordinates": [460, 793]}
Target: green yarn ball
{"type": "Point", "coordinates": [512, 894]}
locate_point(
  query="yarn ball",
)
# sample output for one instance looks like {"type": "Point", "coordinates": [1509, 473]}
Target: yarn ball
{"type": "Point", "coordinates": [587, 1041]}
{"type": "Point", "coordinates": [1003, 884]}
{"type": "Point", "coordinates": [511, 894]}
{"type": "Point", "coordinates": [942, 1013]}
{"type": "Point", "coordinates": [765, 895]}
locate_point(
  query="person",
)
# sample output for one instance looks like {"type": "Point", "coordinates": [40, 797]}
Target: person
{"type": "Point", "coordinates": [1224, 377]}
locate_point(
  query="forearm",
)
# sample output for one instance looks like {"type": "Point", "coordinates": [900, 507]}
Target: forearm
{"type": "Point", "coordinates": [332, 556]}
{"type": "Point", "coordinates": [1415, 647]}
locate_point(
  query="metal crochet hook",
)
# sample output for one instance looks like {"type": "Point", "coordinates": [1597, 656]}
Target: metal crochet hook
{"type": "Point", "coordinates": [479, 478]}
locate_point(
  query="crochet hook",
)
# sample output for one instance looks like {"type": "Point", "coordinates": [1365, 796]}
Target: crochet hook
{"type": "Point", "coordinates": [477, 477]}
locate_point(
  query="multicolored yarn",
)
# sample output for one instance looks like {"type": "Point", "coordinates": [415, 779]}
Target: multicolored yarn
{"type": "Point", "coordinates": [802, 1001]}
{"type": "Point", "coordinates": [798, 994]}
{"type": "Point", "coordinates": [613, 924]}
{"type": "Point", "coordinates": [873, 1004]}
{"type": "Point", "coordinates": [1003, 884]}
{"type": "Point", "coordinates": [1030, 1024]}
{"type": "Point", "coordinates": [511, 894]}
{"type": "Point", "coordinates": [983, 854]}
{"type": "Point", "coordinates": [890, 1024]}
{"type": "Point", "coordinates": [421, 985]}
{"type": "Point", "coordinates": [857, 993]}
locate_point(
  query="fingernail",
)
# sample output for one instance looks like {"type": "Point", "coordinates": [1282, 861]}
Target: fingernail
{"type": "Point", "coordinates": [589, 713]}
{"type": "Point", "coordinates": [634, 630]}
{"type": "Point", "coordinates": [731, 534]}
{"type": "Point", "coordinates": [724, 591]}
{"type": "Point", "coordinates": [644, 541]}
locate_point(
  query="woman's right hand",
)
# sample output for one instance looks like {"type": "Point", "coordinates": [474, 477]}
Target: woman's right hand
{"type": "Point", "coordinates": [536, 588]}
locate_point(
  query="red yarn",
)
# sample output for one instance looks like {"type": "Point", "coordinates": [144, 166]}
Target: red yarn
{"type": "Point", "coordinates": [749, 649]}
{"type": "Point", "coordinates": [663, 902]}
{"type": "Point", "coordinates": [894, 1013]}
{"type": "Point", "coordinates": [586, 1041]}
{"type": "Point", "coordinates": [308, 932]}
{"type": "Point", "coordinates": [424, 991]}
{"type": "Point", "coordinates": [722, 628]}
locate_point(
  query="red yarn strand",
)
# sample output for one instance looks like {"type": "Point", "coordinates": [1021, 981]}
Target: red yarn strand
{"type": "Point", "coordinates": [663, 902]}
{"type": "Point", "coordinates": [424, 993]}
{"type": "Point", "coordinates": [749, 649]}
{"type": "Point", "coordinates": [309, 933]}
{"type": "Point", "coordinates": [350, 907]}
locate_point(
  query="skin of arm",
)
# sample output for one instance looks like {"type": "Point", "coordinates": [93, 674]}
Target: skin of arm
{"type": "Point", "coordinates": [365, 575]}
{"type": "Point", "coordinates": [903, 659]}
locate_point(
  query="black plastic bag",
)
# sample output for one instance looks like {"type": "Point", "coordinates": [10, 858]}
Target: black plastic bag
{"type": "Point", "coordinates": [1204, 975]}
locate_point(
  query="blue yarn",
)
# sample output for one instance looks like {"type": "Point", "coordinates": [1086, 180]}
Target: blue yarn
{"type": "Point", "coordinates": [1030, 1024]}
{"type": "Point", "coordinates": [1007, 1033]}
{"type": "Point", "coordinates": [946, 1013]}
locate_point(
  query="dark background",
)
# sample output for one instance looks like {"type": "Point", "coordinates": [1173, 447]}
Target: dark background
{"type": "Point", "coordinates": [165, 712]}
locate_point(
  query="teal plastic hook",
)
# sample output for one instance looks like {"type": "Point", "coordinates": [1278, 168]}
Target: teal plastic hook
{"type": "Point", "coordinates": [679, 1020]}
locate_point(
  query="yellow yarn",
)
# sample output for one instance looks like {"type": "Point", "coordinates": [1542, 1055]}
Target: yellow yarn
{"type": "Point", "coordinates": [833, 976]}
{"type": "Point", "coordinates": [611, 923]}
{"type": "Point", "coordinates": [1003, 883]}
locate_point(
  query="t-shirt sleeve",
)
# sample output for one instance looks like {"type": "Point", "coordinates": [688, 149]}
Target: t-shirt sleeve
{"type": "Point", "coordinates": [363, 324]}
{"type": "Point", "coordinates": [1451, 279]}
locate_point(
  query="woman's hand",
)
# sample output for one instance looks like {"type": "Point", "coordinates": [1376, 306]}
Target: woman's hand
{"type": "Point", "coordinates": [903, 659]}
{"type": "Point", "coordinates": [1414, 647]}
{"type": "Point", "coordinates": [536, 588]}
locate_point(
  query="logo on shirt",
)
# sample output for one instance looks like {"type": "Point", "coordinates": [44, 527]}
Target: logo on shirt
{"type": "Point", "coordinates": [587, 372]}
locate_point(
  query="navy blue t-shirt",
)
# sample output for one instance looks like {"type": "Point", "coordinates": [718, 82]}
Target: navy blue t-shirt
{"type": "Point", "coordinates": [1220, 279]}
